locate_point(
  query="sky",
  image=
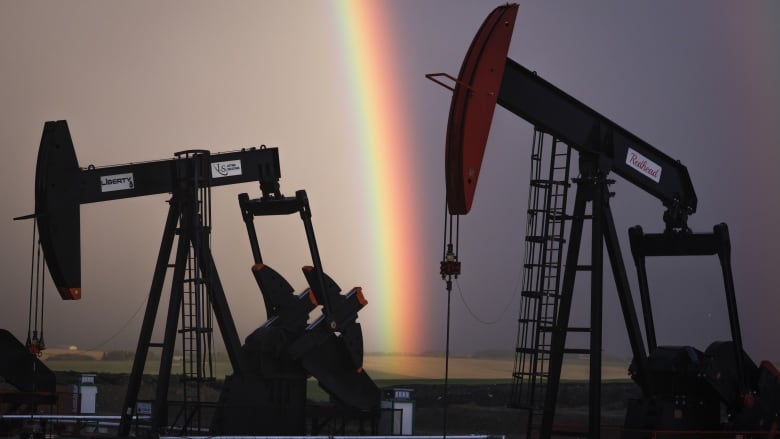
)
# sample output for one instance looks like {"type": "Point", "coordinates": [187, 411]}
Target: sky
{"type": "Point", "coordinates": [339, 88]}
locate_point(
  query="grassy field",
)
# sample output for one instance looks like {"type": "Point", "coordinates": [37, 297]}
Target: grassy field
{"type": "Point", "coordinates": [386, 370]}
{"type": "Point", "coordinates": [380, 367]}
{"type": "Point", "coordinates": [222, 368]}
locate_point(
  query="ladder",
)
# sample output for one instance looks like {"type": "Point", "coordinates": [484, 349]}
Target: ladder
{"type": "Point", "coordinates": [197, 357]}
{"type": "Point", "coordinates": [197, 322]}
{"type": "Point", "coordinates": [544, 242]}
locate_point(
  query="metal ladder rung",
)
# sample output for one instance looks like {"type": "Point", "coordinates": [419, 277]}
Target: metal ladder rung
{"type": "Point", "coordinates": [539, 294]}
{"type": "Point", "coordinates": [581, 351]}
{"type": "Point", "coordinates": [197, 330]}
{"type": "Point", "coordinates": [195, 280]}
{"type": "Point", "coordinates": [584, 217]}
{"type": "Point", "coordinates": [533, 321]}
{"type": "Point", "coordinates": [538, 239]}
{"type": "Point", "coordinates": [542, 268]}
{"type": "Point", "coordinates": [569, 329]}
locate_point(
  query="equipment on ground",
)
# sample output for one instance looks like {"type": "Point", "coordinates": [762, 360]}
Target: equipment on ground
{"type": "Point", "coordinates": [266, 395]}
{"type": "Point", "coordinates": [682, 388]}
{"type": "Point", "coordinates": [34, 384]}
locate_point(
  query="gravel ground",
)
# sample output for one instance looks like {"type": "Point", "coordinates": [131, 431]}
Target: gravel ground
{"type": "Point", "coordinates": [471, 408]}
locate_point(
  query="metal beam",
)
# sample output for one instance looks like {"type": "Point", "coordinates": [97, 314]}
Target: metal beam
{"type": "Point", "coordinates": [552, 110]}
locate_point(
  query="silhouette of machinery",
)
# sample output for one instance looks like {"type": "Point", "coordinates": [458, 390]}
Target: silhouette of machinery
{"type": "Point", "coordinates": [35, 384]}
{"type": "Point", "coordinates": [266, 394]}
{"type": "Point", "coordinates": [682, 388]}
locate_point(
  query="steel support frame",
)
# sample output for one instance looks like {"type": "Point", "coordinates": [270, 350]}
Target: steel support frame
{"type": "Point", "coordinates": [186, 231]}
{"type": "Point", "coordinates": [593, 189]}
{"type": "Point", "coordinates": [694, 244]}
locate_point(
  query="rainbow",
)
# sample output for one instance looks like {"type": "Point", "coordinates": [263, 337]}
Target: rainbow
{"type": "Point", "coordinates": [385, 145]}
{"type": "Point", "coordinates": [752, 52]}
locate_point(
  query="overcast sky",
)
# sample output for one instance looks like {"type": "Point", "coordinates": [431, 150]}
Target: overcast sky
{"type": "Point", "coordinates": [700, 80]}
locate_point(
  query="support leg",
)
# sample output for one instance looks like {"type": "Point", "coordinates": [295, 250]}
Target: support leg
{"type": "Point", "coordinates": [147, 327]}
{"type": "Point", "coordinates": [562, 319]}
{"type": "Point", "coordinates": [721, 232]}
{"type": "Point", "coordinates": [160, 408]}
{"type": "Point", "coordinates": [596, 310]}
{"type": "Point", "coordinates": [635, 235]}
{"type": "Point", "coordinates": [624, 295]}
{"type": "Point", "coordinates": [227, 326]}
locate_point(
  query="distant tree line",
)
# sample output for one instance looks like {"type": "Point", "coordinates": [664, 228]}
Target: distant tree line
{"type": "Point", "coordinates": [70, 357]}
{"type": "Point", "coordinates": [153, 354]}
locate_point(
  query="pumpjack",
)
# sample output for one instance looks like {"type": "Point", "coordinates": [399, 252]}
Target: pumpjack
{"type": "Point", "coordinates": [682, 388]}
{"type": "Point", "coordinates": [34, 384]}
{"type": "Point", "coordinates": [266, 393]}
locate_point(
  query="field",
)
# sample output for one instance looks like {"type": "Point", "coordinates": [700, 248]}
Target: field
{"type": "Point", "coordinates": [386, 370]}
{"type": "Point", "coordinates": [478, 389]}
{"type": "Point", "coordinates": [379, 367]}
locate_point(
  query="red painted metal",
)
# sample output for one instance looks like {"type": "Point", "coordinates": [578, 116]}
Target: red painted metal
{"type": "Point", "coordinates": [473, 103]}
